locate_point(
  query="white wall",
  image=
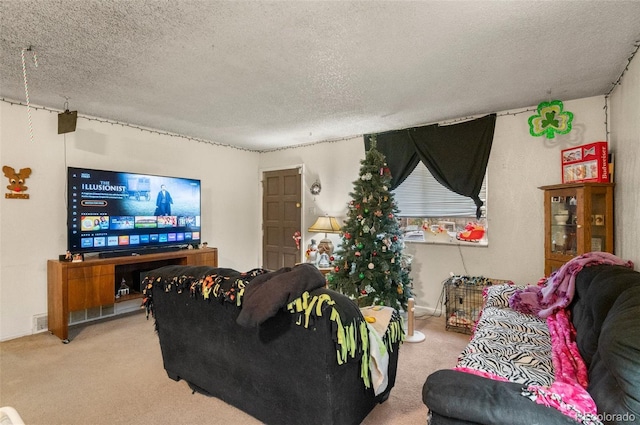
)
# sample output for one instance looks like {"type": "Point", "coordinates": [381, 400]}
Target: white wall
{"type": "Point", "coordinates": [33, 231]}
{"type": "Point", "coordinates": [624, 111]}
{"type": "Point", "coordinates": [518, 165]}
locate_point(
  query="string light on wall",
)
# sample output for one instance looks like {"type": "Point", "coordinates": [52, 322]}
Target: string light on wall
{"type": "Point", "coordinates": [614, 85]}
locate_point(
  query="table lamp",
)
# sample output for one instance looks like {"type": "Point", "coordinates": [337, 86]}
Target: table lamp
{"type": "Point", "coordinates": [325, 224]}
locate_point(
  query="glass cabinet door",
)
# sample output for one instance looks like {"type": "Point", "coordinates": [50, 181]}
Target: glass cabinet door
{"type": "Point", "coordinates": [564, 219]}
{"type": "Point", "coordinates": [578, 219]}
{"type": "Point", "coordinates": [597, 223]}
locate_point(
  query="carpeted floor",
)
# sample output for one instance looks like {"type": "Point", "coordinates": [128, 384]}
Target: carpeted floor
{"type": "Point", "coordinates": [112, 373]}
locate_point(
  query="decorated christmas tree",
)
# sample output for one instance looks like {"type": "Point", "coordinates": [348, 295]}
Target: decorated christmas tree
{"type": "Point", "coordinates": [369, 265]}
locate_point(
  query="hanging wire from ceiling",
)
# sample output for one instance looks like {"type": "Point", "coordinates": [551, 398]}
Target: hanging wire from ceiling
{"type": "Point", "coordinates": [26, 85]}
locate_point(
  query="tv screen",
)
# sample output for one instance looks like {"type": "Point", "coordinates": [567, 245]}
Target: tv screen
{"type": "Point", "coordinates": [118, 211]}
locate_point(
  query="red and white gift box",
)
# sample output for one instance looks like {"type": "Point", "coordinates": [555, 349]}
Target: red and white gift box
{"type": "Point", "coordinates": [586, 163]}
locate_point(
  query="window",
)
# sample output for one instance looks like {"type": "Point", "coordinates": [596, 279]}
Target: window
{"type": "Point", "coordinates": [429, 212]}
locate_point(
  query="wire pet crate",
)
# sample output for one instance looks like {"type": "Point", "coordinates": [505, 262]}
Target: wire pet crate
{"type": "Point", "coordinates": [463, 300]}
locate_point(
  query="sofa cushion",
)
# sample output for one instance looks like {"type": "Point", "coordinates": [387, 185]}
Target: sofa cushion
{"type": "Point", "coordinates": [476, 399]}
{"type": "Point", "coordinates": [508, 344]}
{"type": "Point", "coordinates": [270, 292]}
{"type": "Point", "coordinates": [597, 288]}
{"type": "Point", "coordinates": [615, 369]}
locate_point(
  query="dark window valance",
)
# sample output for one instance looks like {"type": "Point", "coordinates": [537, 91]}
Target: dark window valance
{"type": "Point", "coordinates": [456, 155]}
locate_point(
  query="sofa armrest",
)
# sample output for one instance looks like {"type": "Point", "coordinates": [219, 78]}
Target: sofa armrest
{"type": "Point", "coordinates": [473, 398]}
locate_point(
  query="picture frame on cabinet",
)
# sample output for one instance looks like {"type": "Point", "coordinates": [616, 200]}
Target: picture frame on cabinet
{"type": "Point", "coordinates": [596, 243]}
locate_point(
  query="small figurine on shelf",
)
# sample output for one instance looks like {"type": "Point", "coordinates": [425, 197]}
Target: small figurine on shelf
{"type": "Point", "coordinates": [124, 289]}
{"type": "Point", "coordinates": [323, 262]}
{"type": "Point", "coordinates": [472, 232]}
{"type": "Point", "coordinates": [312, 252]}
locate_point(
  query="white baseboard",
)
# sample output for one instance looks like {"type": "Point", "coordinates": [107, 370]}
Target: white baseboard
{"type": "Point", "coordinates": [428, 311]}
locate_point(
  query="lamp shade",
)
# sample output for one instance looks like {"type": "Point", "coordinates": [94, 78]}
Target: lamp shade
{"type": "Point", "coordinates": [325, 224]}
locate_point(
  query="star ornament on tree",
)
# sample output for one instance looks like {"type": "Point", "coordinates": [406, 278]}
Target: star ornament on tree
{"type": "Point", "coordinates": [551, 119]}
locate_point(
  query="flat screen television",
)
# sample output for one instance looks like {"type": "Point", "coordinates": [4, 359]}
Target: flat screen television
{"type": "Point", "coordinates": [125, 213]}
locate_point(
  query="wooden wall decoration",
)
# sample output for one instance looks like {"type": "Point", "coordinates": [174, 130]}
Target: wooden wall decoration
{"type": "Point", "coordinates": [16, 182]}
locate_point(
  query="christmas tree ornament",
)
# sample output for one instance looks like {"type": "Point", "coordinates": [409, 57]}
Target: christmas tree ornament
{"type": "Point", "coordinates": [371, 266]}
{"type": "Point", "coordinates": [361, 275]}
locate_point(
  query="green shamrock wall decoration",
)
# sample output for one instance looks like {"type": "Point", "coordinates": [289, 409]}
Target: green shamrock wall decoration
{"type": "Point", "coordinates": [551, 119]}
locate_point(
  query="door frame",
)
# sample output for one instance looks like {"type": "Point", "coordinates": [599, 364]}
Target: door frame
{"type": "Point", "coordinates": [303, 224]}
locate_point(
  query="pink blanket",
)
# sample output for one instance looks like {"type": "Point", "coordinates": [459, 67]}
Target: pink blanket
{"type": "Point", "coordinates": [568, 393]}
{"type": "Point", "coordinates": [549, 300]}
{"type": "Point", "coordinates": [557, 292]}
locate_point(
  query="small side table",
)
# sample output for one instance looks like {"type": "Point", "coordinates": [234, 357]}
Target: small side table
{"type": "Point", "coordinates": [325, 270]}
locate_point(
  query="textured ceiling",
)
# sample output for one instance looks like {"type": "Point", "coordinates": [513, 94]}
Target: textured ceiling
{"type": "Point", "coordinates": [262, 74]}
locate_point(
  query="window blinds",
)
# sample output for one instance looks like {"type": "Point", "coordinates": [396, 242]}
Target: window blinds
{"type": "Point", "coordinates": [420, 195]}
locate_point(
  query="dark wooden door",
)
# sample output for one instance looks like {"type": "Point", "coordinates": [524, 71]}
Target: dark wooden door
{"type": "Point", "coordinates": [281, 218]}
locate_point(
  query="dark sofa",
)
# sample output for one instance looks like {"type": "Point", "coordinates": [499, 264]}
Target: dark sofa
{"type": "Point", "coordinates": [605, 312]}
{"type": "Point", "coordinates": [283, 364]}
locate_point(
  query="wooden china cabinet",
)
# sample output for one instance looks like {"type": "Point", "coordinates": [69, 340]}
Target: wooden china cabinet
{"type": "Point", "coordinates": [578, 218]}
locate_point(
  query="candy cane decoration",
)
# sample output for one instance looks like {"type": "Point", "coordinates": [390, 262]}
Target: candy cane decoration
{"type": "Point", "coordinates": [26, 86]}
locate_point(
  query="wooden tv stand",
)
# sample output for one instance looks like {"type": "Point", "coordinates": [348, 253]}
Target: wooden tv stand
{"type": "Point", "coordinates": [94, 282]}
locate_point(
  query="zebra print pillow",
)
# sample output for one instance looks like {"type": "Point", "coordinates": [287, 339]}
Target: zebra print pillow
{"type": "Point", "coordinates": [498, 295]}
{"type": "Point", "coordinates": [511, 345]}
